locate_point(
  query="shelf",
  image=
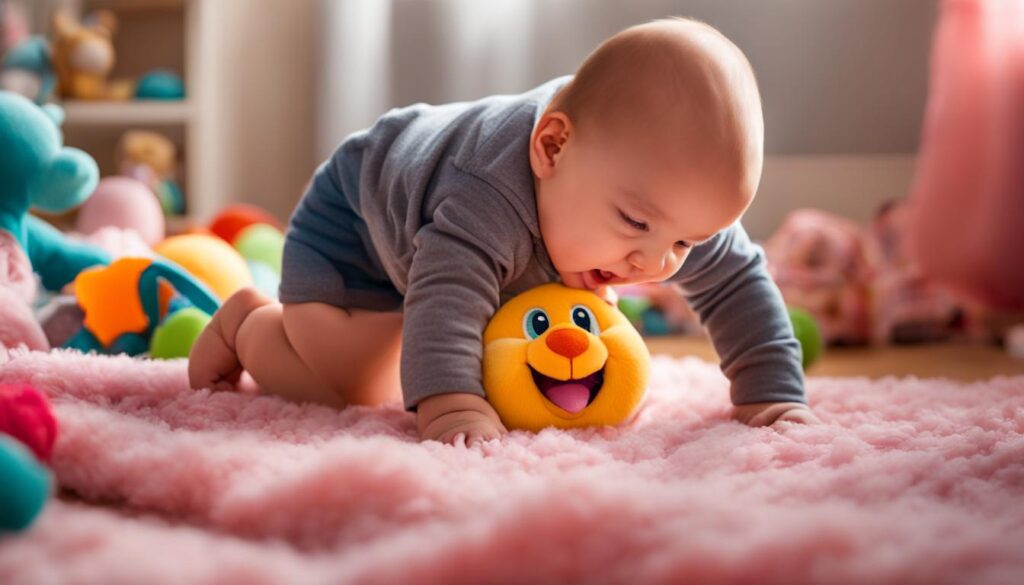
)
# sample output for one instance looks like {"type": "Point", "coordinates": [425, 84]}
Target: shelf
{"type": "Point", "coordinates": [131, 5]}
{"type": "Point", "coordinates": [138, 112]}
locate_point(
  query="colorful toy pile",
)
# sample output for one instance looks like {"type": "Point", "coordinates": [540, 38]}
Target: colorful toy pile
{"type": "Point", "coordinates": [155, 301]}
{"type": "Point", "coordinates": [859, 283]}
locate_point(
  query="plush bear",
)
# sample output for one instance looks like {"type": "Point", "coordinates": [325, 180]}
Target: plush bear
{"type": "Point", "coordinates": [37, 171]}
{"type": "Point", "coordinates": [83, 57]}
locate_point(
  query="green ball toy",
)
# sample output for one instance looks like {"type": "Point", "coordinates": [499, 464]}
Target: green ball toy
{"type": "Point", "coordinates": [263, 243]}
{"type": "Point", "coordinates": [634, 308]}
{"type": "Point", "coordinates": [808, 334]}
{"type": "Point", "coordinates": [175, 336]}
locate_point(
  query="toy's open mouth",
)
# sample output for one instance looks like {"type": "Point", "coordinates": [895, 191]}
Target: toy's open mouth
{"type": "Point", "coordinates": [570, 395]}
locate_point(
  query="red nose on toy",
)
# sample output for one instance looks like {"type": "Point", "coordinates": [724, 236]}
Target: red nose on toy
{"type": "Point", "coordinates": [25, 414]}
{"type": "Point", "coordinates": [567, 342]}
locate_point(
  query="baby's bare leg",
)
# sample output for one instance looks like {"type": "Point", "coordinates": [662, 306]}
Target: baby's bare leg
{"type": "Point", "coordinates": [309, 352]}
{"type": "Point", "coordinates": [356, 351]}
{"type": "Point", "coordinates": [212, 361]}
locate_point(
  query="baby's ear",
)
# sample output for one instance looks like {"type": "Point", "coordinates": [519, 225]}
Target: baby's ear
{"type": "Point", "coordinates": [548, 141]}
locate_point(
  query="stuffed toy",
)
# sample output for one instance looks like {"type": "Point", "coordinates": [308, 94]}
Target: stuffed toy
{"type": "Point", "coordinates": [83, 56]}
{"type": "Point", "coordinates": [135, 301]}
{"type": "Point", "coordinates": [36, 170]}
{"type": "Point", "coordinates": [824, 264]}
{"type": "Point", "coordinates": [562, 357]}
{"type": "Point", "coordinates": [27, 70]}
{"type": "Point", "coordinates": [18, 325]}
{"type": "Point", "coordinates": [124, 203]}
{"type": "Point", "coordinates": [28, 430]}
{"type": "Point", "coordinates": [150, 157]}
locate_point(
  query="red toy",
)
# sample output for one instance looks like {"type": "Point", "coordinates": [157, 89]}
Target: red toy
{"type": "Point", "coordinates": [25, 414]}
{"type": "Point", "coordinates": [232, 220]}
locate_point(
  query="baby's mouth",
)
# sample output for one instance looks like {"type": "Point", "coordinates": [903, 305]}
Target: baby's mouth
{"type": "Point", "coordinates": [571, 395]}
{"type": "Point", "coordinates": [602, 277]}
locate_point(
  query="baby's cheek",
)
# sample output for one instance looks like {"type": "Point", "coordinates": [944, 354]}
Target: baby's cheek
{"type": "Point", "coordinates": [673, 268]}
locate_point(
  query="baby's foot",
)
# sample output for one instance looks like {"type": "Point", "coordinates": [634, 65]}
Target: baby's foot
{"type": "Point", "coordinates": [213, 362]}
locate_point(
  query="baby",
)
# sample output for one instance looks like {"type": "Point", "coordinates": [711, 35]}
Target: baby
{"type": "Point", "coordinates": [636, 169]}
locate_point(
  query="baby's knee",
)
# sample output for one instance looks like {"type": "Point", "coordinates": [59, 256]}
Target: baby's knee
{"type": "Point", "coordinates": [255, 328]}
{"type": "Point", "coordinates": [232, 315]}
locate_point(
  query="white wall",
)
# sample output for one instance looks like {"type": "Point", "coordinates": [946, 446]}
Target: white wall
{"type": "Point", "coordinates": [264, 70]}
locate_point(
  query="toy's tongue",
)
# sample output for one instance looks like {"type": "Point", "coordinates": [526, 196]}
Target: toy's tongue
{"type": "Point", "coordinates": [569, 397]}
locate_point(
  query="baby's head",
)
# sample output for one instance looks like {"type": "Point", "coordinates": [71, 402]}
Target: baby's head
{"type": "Point", "coordinates": [655, 146]}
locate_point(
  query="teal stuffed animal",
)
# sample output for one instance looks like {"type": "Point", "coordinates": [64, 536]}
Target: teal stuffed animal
{"type": "Point", "coordinates": [38, 171]}
{"type": "Point", "coordinates": [26, 69]}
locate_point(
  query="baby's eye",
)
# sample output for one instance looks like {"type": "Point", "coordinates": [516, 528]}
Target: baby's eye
{"type": "Point", "coordinates": [642, 226]}
{"type": "Point", "coordinates": [535, 323]}
{"type": "Point", "coordinates": [683, 244]}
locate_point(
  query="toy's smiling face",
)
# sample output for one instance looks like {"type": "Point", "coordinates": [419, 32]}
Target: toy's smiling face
{"type": "Point", "coordinates": [559, 356]}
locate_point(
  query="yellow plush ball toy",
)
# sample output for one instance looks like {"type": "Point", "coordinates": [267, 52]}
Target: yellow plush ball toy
{"type": "Point", "coordinates": [210, 259]}
{"type": "Point", "coordinates": [562, 357]}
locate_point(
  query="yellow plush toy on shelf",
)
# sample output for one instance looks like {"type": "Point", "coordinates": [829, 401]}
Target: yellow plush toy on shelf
{"type": "Point", "coordinates": [562, 357]}
{"type": "Point", "coordinates": [83, 57]}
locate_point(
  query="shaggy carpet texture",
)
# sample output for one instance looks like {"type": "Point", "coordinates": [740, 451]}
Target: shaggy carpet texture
{"type": "Point", "coordinates": [909, 481]}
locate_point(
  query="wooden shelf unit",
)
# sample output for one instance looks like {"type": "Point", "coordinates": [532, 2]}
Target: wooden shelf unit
{"type": "Point", "coordinates": [153, 34]}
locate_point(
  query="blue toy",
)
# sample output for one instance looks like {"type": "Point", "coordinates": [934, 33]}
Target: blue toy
{"type": "Point", "coordinates": [27, 70]}
{"type": "Point", "coordinates": [37, 171]}
{"type": "Point", "coordinates": [25, 487]}
{"type": "Point", "coordinates": [160, 84]}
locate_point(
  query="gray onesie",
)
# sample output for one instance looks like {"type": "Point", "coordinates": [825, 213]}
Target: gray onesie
{"type": "Point", "coordinates": [431, 212]}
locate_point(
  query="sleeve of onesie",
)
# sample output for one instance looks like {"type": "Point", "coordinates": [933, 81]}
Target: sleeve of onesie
{"type": "Point", "coordinates": [726, 282]}
{"type": "Point", "coordinates": [463, 258]}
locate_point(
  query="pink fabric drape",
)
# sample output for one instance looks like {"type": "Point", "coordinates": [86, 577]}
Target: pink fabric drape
{"type": "Point", "coordinates": [967, 203]}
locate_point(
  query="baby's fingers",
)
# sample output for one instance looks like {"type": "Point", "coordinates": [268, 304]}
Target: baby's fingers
{"type": "Point", "coordinates": [454, 439]}
{"type": "Point", "coordinates": [487, 435]}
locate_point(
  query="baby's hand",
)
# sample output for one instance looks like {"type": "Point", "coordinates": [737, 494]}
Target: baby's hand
{"type": "Point", "coordinates": [444, 417]}
{"type": "Point", "coordinates": [762, 414]}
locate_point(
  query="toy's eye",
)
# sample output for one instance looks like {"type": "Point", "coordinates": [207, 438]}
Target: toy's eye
{"type": "Point", "coordinates": [535, 323]}
{"type": "Point", "coordinates": [584, 318]}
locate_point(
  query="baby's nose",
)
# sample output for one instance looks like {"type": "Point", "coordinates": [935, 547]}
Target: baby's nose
{"type": "Point", "coordinates": [567, 342]}
{"type": "Point", "coordinates": [648, 264]}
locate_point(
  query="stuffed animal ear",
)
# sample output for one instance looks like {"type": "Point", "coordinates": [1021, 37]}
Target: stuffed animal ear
{"type": "Point", "coordinates": [70, 180]}
{"type": "Point", "coordinates": [63, 23]}
{"type": "Point", "coordinates": [55, 113]}
{"type": "Point", "coordinates": [104, 22]}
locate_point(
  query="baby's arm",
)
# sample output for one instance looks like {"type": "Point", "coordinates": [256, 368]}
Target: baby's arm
{"type": "Point", "coordinates": [727, 284]}
{"type": "Point", "coordinates": [461, 260]}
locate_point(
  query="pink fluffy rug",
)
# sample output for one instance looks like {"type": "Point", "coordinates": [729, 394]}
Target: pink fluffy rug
{"type": "Point", "coordinates": [910, 481]}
